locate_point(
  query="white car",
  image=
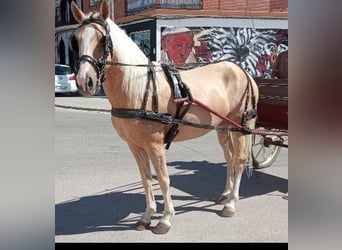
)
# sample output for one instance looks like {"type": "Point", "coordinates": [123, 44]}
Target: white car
{"type": "Point", "coordinates": [65, 80]}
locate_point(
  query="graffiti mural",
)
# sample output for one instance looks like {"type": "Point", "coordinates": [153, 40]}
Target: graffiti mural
{"type": "Point", "coordinates": [255, 50]}
{"type": "Point", "coordinates": [143, 40]}
{"type": "Point", "coordinates": [177, 46]}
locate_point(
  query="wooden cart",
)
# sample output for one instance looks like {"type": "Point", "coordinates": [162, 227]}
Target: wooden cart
{"type": "Point", "coordinates": [272, 115]}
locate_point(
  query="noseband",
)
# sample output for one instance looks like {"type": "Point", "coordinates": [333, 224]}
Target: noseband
{"type": "Point", "coordinates": [99, 64]}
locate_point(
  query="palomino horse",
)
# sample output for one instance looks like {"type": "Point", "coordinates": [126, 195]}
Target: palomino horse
{"type": "Point", "coordinates": [144, 108]}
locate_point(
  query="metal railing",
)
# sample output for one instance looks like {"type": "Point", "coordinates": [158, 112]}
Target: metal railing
{"type": "Point", "coordinates": [136, 6]}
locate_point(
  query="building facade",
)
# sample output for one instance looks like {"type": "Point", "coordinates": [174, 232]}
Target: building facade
{"type": "Point", "coordinates": [250, 33]}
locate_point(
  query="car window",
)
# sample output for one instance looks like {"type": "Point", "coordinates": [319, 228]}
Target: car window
{"type": "Point", "coordinates": [59, 70]}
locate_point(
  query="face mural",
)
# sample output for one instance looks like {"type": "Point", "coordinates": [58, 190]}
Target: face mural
{"type": "Point", "coordinates": [178, 48]}
{"type": "Point", "coordinates": [177, 44]}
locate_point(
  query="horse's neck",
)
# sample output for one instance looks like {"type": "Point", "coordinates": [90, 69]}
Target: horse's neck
{"type": "Point", "coordinates": [125, 49]}
{"type": "Point", "coordinates": [127, 83]}
{"type": "Point", "coordinates": [113, 86]}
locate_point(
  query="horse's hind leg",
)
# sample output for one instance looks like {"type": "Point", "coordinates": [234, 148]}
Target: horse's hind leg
{"type": "Point", "coordinates": [146, 176]}
{"type": "Point", "coordinates": [158, 159]}
{"type": "Point", "coordinates": [239, 158]}
{"type": "Point", "coordinates": [227, 145]}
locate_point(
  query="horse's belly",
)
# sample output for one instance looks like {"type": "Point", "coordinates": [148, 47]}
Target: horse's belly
{"type": "Point", "coordinates": [137, 131]}
{"type": "Point", "coordinates": [188, 133]}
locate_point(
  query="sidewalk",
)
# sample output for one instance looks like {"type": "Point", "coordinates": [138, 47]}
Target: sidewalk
{"type": "Point", "coordinates": [92, 103]}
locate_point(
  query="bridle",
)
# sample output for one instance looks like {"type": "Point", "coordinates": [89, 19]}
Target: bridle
{"type": "Point", "coordinates": [98, 64]}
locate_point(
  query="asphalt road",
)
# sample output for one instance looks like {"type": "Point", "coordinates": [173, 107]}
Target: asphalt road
{"type": "Point", "coordinates": [99, 195]}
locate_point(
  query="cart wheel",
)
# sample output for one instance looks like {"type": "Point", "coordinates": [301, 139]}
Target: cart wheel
{"type": "Point", "coordinates": [263, 156]}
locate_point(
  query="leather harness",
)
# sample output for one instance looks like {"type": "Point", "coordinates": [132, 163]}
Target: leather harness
{"type": "Point", "coordinates": [179, 90]}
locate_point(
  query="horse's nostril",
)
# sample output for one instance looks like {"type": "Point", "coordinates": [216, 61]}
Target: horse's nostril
{"type": "Point", "coordinates": [90, 83]}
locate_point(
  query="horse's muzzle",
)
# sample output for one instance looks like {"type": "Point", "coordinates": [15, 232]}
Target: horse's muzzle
{"type": "Point", "coordinates": [87, 86]}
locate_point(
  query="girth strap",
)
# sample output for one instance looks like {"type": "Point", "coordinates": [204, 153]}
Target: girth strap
{"type": "Point", "coordinates": [166, 118]}
{"type": "Point", "coordinates": [180, 91]}
{"type": "Point", "coordinates": [142, 114]}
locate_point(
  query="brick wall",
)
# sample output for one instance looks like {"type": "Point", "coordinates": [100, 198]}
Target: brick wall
{"type": "Point", "coordinates": [86, 6]}
{"type": "Point", "coordinates": [279, 5]}
{"type": "Point", "coordinates": [261, 8]}
{"type": "Point", "coordinates": [239, 6]}
{"type": "Point", "coordinates": [119, 8]}
{"type": "Point", "coordinates": [243, 5]}
{"type": "Point", "coordinates": [210, 4]}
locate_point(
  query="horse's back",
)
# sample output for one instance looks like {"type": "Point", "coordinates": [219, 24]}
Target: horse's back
{"type": "Point", "coordinates": [218, 80]}
{"type": "Point", "coordinates": [224, 71]}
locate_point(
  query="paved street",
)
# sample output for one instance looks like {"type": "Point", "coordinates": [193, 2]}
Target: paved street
{"type": "Point", "coordinates": [99, 195]}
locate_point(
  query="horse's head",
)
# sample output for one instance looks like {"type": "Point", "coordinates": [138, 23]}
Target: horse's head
{"type": "Point", "coordinates": [93, 44]}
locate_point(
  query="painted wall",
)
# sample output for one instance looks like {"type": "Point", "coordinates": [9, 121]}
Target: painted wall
{"type": "Point", "coordinates": [143, 40]}
{"type": "Point", "coordinates": [144, 35]}
{"type": "Point", "coordinates": [254, 48]}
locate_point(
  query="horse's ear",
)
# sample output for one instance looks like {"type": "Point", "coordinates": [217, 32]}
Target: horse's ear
{"type": "Point", "coordinates": [77, 13]}
{"type": "Point", "coordinates": [104, 9]}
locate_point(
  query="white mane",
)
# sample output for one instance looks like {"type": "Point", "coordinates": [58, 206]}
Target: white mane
{"type": "Point", "coordinates": [126, 51]}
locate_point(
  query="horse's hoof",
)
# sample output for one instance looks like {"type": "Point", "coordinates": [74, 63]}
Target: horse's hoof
{"type": "Point", "coordinates": [228, 212]}
{"type": "Point", "coordinates": [222, 199]}
{"type": "Point", "coordinates": [141, 226]}
{"type": "Point", "coordinates": [161, 228]}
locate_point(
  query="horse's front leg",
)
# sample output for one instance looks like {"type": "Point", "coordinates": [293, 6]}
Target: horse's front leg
{"type": "Point", "coordinates": [146, 176]}
{"type": "Point", "coordinates": [157, 155]}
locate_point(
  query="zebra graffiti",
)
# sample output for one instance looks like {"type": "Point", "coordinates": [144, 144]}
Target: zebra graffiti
{"type": "Point", "coordinates": [254, 50]}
